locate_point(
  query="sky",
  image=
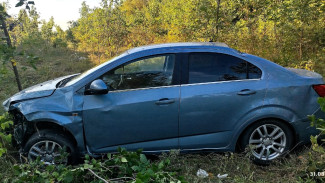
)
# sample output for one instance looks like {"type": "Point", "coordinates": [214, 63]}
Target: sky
{"type": "Point", "coordinates": [61, 10]}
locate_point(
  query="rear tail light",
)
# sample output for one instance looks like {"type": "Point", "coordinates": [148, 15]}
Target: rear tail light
{"type": "Point", "coordinates": [320, 89]}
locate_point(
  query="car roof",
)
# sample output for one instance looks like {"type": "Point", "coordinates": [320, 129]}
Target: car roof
{"type": "Point", "coordinates": [179, 45]}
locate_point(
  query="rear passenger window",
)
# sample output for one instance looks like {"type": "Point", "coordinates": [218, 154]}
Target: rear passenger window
{"type": "Point", "coordinates": [253, 71]}
{"type": "Point", "coordinates": [212, 67]}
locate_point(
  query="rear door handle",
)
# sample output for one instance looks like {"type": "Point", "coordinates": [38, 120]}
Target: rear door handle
{"type": "Point", "coordinates": [165, 101]}
{"type": "Point", "coordinates": [246, 92]}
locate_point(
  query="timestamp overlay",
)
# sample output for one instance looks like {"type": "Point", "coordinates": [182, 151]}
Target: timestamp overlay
{"type": "Point", "coordinates": [317, 174]}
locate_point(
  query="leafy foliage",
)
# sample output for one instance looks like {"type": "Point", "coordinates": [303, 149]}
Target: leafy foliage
{"type": "Point", "coordinates": [291, 33]}
{"type": "Point", "coordinates": [121, 167]}
{"type": "Point", "coordinates": [288, 32]}
{"type": "Point", "coordinates": [318, 122]}
{"type": "Point", "coordinates": [317, 165]}
{"type": "Point", "coordinates": [5, 137]}
{"type": "Point", "coordinates": [25, 2]}
{"type": "Point", "coordinates": [8, 50]}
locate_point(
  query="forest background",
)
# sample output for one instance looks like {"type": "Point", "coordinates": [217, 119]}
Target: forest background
{"type": "Point", "coordinates": [288, 32]}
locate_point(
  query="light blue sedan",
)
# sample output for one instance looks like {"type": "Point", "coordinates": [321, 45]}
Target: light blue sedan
{"type": "Point", "coordinates": [187, 96]}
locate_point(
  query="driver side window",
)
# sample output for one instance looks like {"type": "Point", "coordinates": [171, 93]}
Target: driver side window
{"type": "Point", "coordinates": [146, 72]}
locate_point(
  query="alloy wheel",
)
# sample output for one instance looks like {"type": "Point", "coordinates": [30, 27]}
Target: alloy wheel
{"type": "Point", "coordinates": [48, 151]}
{"type": "Point", "coordinates": [268, 142]}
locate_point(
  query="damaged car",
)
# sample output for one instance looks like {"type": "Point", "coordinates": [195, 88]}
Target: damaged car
{"type": "Point", "coordinates": [187, 96]}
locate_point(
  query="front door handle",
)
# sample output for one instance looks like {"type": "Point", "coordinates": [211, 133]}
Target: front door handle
{"type": "Point", "coordinates": [246, 92]}
{"type": "Point", "coordinates": [165, 101]}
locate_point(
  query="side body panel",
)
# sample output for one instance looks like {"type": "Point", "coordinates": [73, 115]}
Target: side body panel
{"type": "Point", "coordinates": [127, 117]}
{"type": "Point", "coordinates": [214, 108]}
{"type": "Point", "coordinates": [289, 98]}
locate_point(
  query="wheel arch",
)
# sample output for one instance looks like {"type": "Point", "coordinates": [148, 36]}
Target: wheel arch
{"type": "Point", "coordinates": [62, 122]}
{"type": "Point", "coordinates": [42, 125]}
{"type": "Point", "coordinates": [36, 126]}
{"type": "Point", "coordinates": [288, 124]}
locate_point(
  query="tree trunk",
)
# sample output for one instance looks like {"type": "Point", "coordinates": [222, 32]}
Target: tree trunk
{"type": "Point", "coordinates": [217, 22]}
{"type": "Point", "coordinates": [13, 64]}
{"type": "Point", "coordinates": [300, 44]}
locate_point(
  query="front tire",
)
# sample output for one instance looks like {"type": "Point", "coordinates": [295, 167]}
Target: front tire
{"type": "Point", "coordinates": [50, 146]}
{"type": "Point", "coordinates": [267, 140]}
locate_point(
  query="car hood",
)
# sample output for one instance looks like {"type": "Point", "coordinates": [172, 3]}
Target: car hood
{"type": "Point", "coordinates": [37, 91]}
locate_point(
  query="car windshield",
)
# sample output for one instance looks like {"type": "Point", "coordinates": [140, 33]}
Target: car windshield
{"type": "Point", "coordinates": [88, 72]}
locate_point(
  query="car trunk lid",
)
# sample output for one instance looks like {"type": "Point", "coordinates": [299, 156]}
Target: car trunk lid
{"type": "Point", "coordinates": [305, 73]}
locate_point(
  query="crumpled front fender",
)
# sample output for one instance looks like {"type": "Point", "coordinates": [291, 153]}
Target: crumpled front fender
{"type": "Point", "coordinates": [63, 108]}
{"type": "Point", "coordinates": [41, 90]}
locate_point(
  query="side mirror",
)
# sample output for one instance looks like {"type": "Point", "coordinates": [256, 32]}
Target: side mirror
{"type": "Point", "coordinates": [97, 87]}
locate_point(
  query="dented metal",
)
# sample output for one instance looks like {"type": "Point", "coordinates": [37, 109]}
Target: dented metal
{"type": "Point", "coordinates": [201, 116]}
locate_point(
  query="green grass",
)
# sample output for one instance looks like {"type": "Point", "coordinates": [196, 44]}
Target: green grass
{"type": "Point", "coordinates": [53, 63]}
{"type": "Point", "coordinates": [294, 168]}
{"type": "Point", "coordinates": [240, 169]}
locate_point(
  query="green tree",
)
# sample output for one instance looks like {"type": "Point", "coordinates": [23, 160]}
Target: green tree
{"type": "Point", "coordinates": [291, 33]}
{"type": "Point", "coordinates": [59, 38]}
{"type": "Point", "coordinates": [7, 50]}
{"type": "Point", "coordinates": [47, 31]}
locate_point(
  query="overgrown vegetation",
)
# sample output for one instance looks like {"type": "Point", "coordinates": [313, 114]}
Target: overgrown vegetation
{"type": "Point", "coordinates": [5, 136]}
{"type": "Point", "coordinates": [122, 167]}
{"type": "Point", "coordinates": [318, 166]}
{"type": "Point", "coordinates": [291, 33]}
{"type": "Point", "coordinates": [288, 32]}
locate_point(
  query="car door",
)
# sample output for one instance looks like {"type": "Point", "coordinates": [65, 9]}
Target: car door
{"type": "Point", "coordinates": [218, 91]}
{"type": "Point", "coordinates": [139, 111]}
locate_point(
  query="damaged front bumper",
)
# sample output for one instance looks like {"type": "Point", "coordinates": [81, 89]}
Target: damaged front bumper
{"type": "Point", "coordinates": [21, 130]}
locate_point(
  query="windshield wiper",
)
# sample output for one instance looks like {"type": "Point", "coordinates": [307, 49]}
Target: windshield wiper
{"type": "Point", "coordinates": [64, 81]}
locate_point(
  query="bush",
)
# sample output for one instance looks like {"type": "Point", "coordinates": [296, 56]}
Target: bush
{"type": "Point", "coordinates": [316, 161]}
{"type": "Point", "coordinates": [319, 123]}
{"type": "Point", "coordinates": [121, 167]}
{"type": "Point", "coordinates": [5, 136]}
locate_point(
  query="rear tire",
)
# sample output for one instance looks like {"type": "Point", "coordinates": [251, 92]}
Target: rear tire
{"type": "Point", "coordinates": [267, 140]}
{"type": "Point", "coordinates": [48, 145]}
